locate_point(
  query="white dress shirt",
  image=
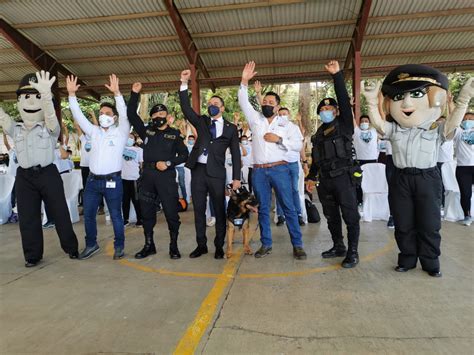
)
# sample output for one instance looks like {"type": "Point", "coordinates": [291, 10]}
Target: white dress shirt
{"type": "Point", "coordinates": [266, 152]}
{"type": "Point", "coordinates": [446, 151]}
{"type": "Point", "coordinates": [365, 150]}
{"type": "Point", "coordinates": [106, 145]}
{"type": "Point", "coordinates": [293, 156]}
{"type": "Point", "coordinates": [464, 151]}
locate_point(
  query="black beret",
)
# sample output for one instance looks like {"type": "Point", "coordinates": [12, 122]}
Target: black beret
{"type": "Point", "coordinates": [411, 77]}
{"type": "Point", "coordinates": [24, 87]}
{"type": "Point", "coordinates": [158, 108]}
{"type": "Point", "coordinates": [328, 101]}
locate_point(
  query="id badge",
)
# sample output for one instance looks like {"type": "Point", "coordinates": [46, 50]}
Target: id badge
{"type": "Point", "coordinates": [110, 185]}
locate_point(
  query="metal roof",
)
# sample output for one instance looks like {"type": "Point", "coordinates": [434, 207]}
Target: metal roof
{"type": "Point", "coordinates": [289, 39]}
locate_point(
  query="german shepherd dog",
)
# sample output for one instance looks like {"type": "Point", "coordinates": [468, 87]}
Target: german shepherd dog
{"type": "Point", "coordinates": [241, 203]}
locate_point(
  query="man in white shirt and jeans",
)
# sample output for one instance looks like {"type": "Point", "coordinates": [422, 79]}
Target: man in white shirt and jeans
{"type": "Point", "coordinates": [271, 140]}
{"type": "Point", "coordinates": [107, 145]}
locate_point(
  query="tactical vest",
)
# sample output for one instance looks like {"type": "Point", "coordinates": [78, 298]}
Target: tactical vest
{"type": "Point", "coordinates": [332, 149]}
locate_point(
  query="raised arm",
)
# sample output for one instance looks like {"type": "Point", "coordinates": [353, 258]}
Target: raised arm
{"type": "Point", "coordinates": [82, 121]}
{"type": "Point", "coordinates": [250, 113]}
{"type": "Point", "coordinates": [371, 94]}
{"type": "Point", "coordinates": [257, 85]}
{"type": "Point", "coordinates": [343, 100]}
{"type": "Point", "coordinates": [462, 103]}
{"type": "Point", "coordinates": [43, 85]}
{"type": "Point", "coordinates": [113, 86]}
{"type": "Point", "coordinates": [132, 108]}
{"type": "Point", "coordinates": [184, 102]}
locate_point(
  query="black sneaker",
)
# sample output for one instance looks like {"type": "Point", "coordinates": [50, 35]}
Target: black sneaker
{"type": "Point", "coordinates": [74, 255]}
{"type": "Point", "coordinates": [299, 253]}
{"type": "Point", "coordinates": [88, 252]}
{"type": "Point", "coordinates": [119, 253]}
{"type": "Point", "coordinates": [334, 252]}
{"type": "Point", "coordinates": [32, 262]}
{"type": "Point", "coordinates": [390, 223]}
{"type": "Point", "coordinates": [280, 221]}
{"type": "Point", "coordinates": [263, 251]}
{"type": "Point", "coordinates": [48, 225]}
{"type": "Point", "coordinates": [351, 260]}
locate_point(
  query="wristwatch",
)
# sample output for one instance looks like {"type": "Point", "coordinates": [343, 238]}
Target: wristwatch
{"type": "Point", "coordinates": [168, 163]}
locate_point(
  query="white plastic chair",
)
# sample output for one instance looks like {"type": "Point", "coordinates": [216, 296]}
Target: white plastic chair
{"type": "Point", "coordinates": [452, 200]}
{"type": "Point", "coordinates": [375, 193]}
{"type": "Point", "coordinates": [6, 185]}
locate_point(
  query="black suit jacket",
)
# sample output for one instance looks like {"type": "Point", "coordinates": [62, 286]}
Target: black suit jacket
{"type": "Point", "coordinates": [216, 148]}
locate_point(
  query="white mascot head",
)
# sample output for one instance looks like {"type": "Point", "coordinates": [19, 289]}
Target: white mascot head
{"type": "Point", "coordinates": [414, 95]}
{"type": "Point", "coordinates": [29, 101]}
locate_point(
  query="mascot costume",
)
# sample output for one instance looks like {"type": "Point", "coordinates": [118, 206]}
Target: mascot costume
{"type": "Point", "coordinates": [414, 97]}
{"type": "Point", "coordinates": [37, 177]}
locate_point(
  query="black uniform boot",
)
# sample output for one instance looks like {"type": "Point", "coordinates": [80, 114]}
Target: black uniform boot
{"type": "Point", "coordinates": [351, 259]}
{"type": "Point", "coordinates": [148, 249]}
{"type": "Point", "coordinates": [339, 249]}
{"type": "Point", "coordinates": [174, 251]}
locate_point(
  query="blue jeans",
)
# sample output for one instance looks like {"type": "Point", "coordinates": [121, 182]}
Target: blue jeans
{"type": "Point", "coordinates": [94, 193]}
{"type": "Point", "coordinates": [294, 178]}
{"type": "Point", "coordinates": [263, 181]}
{"type": "Point", "coordinates": [181, 181]}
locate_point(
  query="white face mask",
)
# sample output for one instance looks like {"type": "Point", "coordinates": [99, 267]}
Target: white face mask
{"type": "Point", "coordinates": [106, 121]}
{"type": "Point", "coordinates": [364, 126]}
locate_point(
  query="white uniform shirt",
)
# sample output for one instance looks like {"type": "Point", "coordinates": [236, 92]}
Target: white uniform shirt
{"type": "Point", "coordinates": [247, 160]}
{"type": "Point", "coordinates": [85, 143]}
{"type": "Point", "coordinates": [464, 150]}
{"type": "Point", "coordinates": [266, 152]}
{"type": "Point", "coordinates": [62, 165]}
{"type": "Point", "coordinates": [12, 163]}
{"type": "Point", "coordinates": [106, 145]}
{"type": "Point", "coordinates": [132, 157]}
{"type": "Point", "coordinates": [446, 151]}
{"type": "Point", "coordinates": [366, 150]}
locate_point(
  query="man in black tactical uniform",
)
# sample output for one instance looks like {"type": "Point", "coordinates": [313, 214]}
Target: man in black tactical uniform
{"type": "Point", "coordinates": [338, 173]}
{"type": "Point", "coordinates": [163, 149]}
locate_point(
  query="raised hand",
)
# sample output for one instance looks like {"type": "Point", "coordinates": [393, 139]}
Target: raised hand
{"type": "Point", "coordinates": [248, 72]}
{"type": "Point", "coordinates": [43, 82]}
{"type": "Point", "coordinates": [257, 86]}
{"type": "Point", "coordinates": [113, 85]}
{"type": "Point", "coordinates": [332, 67]}
{"type": "Point", "coordinates": [185, 76]}
{"type": "Point", "coordinates": [370, 90]}
{"type": "Point", "coordinates": [137, 87]}
{"type": "Point", "coordinates": [467, 91]}
{"type": "Point", "coordinates": [71, 85]}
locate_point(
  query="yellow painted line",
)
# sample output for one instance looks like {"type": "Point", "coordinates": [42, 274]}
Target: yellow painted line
{"type": "Point", "coordinates": [194, 333]}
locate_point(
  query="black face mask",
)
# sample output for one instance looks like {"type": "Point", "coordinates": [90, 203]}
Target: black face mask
{"type": "Point", "coordinates": [267, 111]}
{"type": "Point", "coordinates": [158, 122]}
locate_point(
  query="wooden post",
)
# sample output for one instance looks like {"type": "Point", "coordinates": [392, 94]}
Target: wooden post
{"type": "Point", "coordinates": [196, 97]}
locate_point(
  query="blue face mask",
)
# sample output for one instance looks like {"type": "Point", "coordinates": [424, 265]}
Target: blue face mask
{"type": "Point", "coordinates": [130, 142]}
{"type": "Point", "coordinates": [326, 116]}
{"type": "Point", "coordinates": [190, 142]}
{"type": "Point", "coordinates": [213, 110]}
{"type": "Point", "coordinates": [467, 125]}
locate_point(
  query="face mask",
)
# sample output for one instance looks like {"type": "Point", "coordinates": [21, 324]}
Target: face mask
{"type": "Point", "coordinates": [191, 142]}
{"type": "Point", "coordinates": [326, 116]}
{"type": "Point", "coordinates": [245, 143]}
{"type": "Point", "coordinates": [106, 121]}
{"type": "Point", "coordinates": [213, 110]}
{"type": "Point", "coordinates": [267, 111]}
{"type": "Point", "coordinates": [467, 125]}
{"type": "Point", "coordinates": [130, 142]}
{"type": "Point", "coordinates": [284, 117]}
{"type": "Point", "coordinates": [364, 126]}
{"type": "Point", "coordinates": [159, 121]}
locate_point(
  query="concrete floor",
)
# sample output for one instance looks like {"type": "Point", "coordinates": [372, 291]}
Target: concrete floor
{"type": "Point", "coordinates": [274, 305]}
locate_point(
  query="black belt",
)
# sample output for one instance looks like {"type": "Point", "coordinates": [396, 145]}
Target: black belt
{"type": "Point", "coordinates": [36, 168]}
{"type": "Point", "coordinates": [416, 171]}
{"type": "Point", "coordinates": [105, 177]}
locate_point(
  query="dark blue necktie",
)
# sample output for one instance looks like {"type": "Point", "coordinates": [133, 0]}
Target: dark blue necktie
{"type": "Point", "coordinates": [213, 129]}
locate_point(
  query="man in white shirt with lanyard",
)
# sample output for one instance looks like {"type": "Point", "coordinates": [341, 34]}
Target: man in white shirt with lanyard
{"type": "Point", "coordinates": [271, 140]}
{"type": "Point", "coordinates": [107, 145]}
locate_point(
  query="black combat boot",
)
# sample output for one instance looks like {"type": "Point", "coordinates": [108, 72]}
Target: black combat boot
{"type": "Point", "coordinates": [351, 259]}
{"type": "Point", "coordinates": [148, 249]}
{"type": "Point", "coordinates": [174, 252]}
{"type": "Point", "coordinates": [339, 249]}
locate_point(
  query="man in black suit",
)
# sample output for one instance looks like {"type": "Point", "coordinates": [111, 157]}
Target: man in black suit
{"type": "Point", "coordinates": [207, 164]}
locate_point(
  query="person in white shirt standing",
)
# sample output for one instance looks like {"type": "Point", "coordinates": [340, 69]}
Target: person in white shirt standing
{"type": "Point", "coordinates": [464, 142]}
{"type": "Point", "coordinates": [247, 161]}
{"type": "Point", "coordinates": [270, 143]}
{"type": "Point", "coordinates": [107, 144]}
{"type": "Point", "coordinates": [445, 154]}
{"type": "Point", "coordinates": [132, 163]}
{"type": "Point", "coordinates": [365, 145]}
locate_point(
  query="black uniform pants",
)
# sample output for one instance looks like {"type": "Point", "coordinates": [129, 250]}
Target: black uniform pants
{"type": "Point", "coordinates": [465, 178]}
{"type": "Point", "coordinates": [159, 186]}
{"type": "Point", "coordinates": [32, 187]}
{"type": "Point", "coordinates": [338, 194]}
{"type": "Point", "coordinates": [130, 193]}
{"type": "Point", "coordinates": [416, 203]}
{"type": "Point", "coordinates": [202, 185]}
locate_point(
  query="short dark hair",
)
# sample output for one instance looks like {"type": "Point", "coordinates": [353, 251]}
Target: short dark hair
{"type": "Point", "coordinates": [277, 97]}
{"type": "Point", "coordinates": [365, 116]}
{"type": "Point", "coordinates": [218, 97]}
{"type": "Point", "coordinates": [109, 105]}
{"type": "Point", "coordinates": [191, 135]}
{"type": "Point", "coordinates": [243, 136]}
{"type": "Point", "coordinates": [283, 109]}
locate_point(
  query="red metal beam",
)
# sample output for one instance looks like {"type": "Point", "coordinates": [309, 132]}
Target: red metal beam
{"type": "Point", "coordinates": [187, 43]}
{"type": "Point", "coordinates": [196, 94]}
{"type": "Point", "coordinates": [359, 31]}
{"type": "Point", "coordinates": [35, 55]}
{"type": "Point", "coordinates": [356, 75]}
